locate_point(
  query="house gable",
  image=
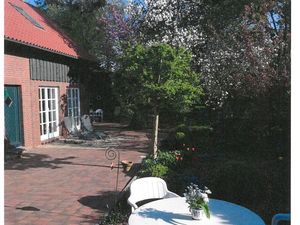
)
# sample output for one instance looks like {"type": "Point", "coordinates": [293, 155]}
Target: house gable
{"type": "Point", "coordinates": [27, 25]}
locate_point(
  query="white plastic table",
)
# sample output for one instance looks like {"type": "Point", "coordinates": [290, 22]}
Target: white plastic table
{"type": "Point", "coordinates": [175, 211]}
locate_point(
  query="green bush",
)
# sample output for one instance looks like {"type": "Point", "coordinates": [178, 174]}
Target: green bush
{"type": "Point", "coordinates": [239, 182]}
{"type": "Point", "coordinates": [155, 170]}
{"type": "Point", "coordinates": [190, 136]}
{"type": "Point", "coordinates": [115, 218]}
{"type": "Point", "coordinates": [119, 213]}
{"type": "Point", "coordinates": [159, 170]}
{"type": "Point", "coordinates": [180, 136]}
{"type": "Point", "coordinates": [159, 167]}
{"type": "Point", "coordinates": [167, 158]}
{"type": "Point", "coordinates": [262, 186]}
{"type": "Point", "coordinates": [138, 120]}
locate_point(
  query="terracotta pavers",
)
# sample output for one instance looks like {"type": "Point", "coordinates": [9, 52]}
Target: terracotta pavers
{"type": "Point", "coordinates": [64, 186]}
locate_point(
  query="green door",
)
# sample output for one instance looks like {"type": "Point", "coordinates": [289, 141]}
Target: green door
{"type": "Point", "coordinates": [12, 103]}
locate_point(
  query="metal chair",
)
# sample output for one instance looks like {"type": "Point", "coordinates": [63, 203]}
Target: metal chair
{"type": "Point", "coordinates": [148, 188]}
{"type": "Point", "coordinates": [280, 217]}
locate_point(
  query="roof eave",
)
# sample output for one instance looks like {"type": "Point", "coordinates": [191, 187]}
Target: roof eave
{"type": "Point", "coordinates": [6, 38]}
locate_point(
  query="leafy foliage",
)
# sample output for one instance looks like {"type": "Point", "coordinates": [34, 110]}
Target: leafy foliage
{"type": "Point", "coordinates": [161, 167]}
{"type": "Point", "coordinates": [183, 137]}
{"type": "Point", "coordinates": [115, 218]}
{"type": "Point", "coordinates": [119, 214]}
{"type": "Point", "coordinates": [82, 5]}
{"type": "Point", "coordinates": [81, 25]}
{"type": "Point", "coordinates": [158, 75]}
{"type": "Point", "coordinates": [242, 51]}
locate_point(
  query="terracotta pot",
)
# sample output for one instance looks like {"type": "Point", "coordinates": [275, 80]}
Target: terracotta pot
{"type": "Point", "coordinates": [126, 165]}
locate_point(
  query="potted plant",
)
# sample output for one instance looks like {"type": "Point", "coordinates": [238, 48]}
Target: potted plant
{"type": "Point", "coordinates": [198, 201]}
{"type": "Point", "coordinates": [126, 165]}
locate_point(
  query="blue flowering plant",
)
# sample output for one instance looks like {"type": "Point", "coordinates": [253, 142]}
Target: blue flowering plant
{"type": "Point", "coordinates": [197, 198]}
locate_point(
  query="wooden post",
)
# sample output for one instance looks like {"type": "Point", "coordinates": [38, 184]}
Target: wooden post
{"type": "Point", "coordinates": [155, 133]}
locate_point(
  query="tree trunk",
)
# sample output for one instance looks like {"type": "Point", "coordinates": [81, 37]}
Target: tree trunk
{"type": "Point", "coordinates": [155, 134]}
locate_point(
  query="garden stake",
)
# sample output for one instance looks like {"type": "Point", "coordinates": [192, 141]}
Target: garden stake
{"type": "Point", "coordinates": [112, 154]}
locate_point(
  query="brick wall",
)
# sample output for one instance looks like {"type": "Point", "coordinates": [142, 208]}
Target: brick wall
{"type": "Point", "coordinates": [16, 72]}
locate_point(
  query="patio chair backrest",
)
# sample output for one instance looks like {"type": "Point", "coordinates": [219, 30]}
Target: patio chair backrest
{"type": "Point", "coordinates": [280, 217]}
{"type": "Point", "coordinates": [148, 188]}
{"type": "Point", "coordinates": [68, 124]}
{"type": "Point", "coordinates": [86, 122]}
{"type": "Point", "coordinates": [99, 112]}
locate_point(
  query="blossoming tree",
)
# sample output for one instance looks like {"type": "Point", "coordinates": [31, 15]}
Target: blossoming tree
{"type": "Point", "coordinates": [242, 50]}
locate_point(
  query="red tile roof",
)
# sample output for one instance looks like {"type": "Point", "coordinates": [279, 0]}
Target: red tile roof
{"type": "Point", "coordinates": [19, 29]}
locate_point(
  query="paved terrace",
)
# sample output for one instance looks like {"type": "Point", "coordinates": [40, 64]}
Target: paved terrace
{"type": "Point", "coordinates": [64, 185]}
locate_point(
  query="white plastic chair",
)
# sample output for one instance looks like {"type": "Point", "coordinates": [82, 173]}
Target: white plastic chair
{"type": "Point", "coordinates": [280, 217]}
{"type": "Point", "coordinates": [99, 114]}
{"type": "Point", "coordinates": [148, 188]}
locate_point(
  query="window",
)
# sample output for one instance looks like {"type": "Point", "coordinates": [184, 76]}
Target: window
{"type": "Point", "coordinates": [73, 102]}
{"type": "Point", "coordinates": [48, 103]}
{"type": "Point", "coordinates": [26, 15]}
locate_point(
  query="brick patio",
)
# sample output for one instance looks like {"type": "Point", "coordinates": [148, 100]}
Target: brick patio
{"type": "Point", "coordinates": [54, 185]}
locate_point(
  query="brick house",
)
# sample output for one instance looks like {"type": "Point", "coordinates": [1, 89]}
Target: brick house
{"type": "Point", "coordinates": [39, 63]}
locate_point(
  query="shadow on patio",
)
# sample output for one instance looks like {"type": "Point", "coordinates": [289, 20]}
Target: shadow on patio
{"type": "Point", "coordinates": [102, 202]}
{"type": "Point", "coordinates": [35, 160]}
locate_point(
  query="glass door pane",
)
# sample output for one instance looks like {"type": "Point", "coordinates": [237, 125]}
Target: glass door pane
{"type": "Point", "coordinates": [73, 101]}
{"type": "Point", "coordinates": [48, 97]}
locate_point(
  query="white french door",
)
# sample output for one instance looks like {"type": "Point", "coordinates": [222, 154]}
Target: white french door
{"type": "Point", "coordinates": [73, 99]}
{"type": "Point", "coordinates": [48, 102]}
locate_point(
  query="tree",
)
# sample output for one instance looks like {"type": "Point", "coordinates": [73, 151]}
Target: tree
{"type": "Point", "coordinates": [82, 5]}
{"type": "Point", "coordinates": [237, 45]}
{"type": "Point", "coordinates": [117, 31]}
{"type": "Point", "coordinates": [242, 50]}
{"type": "Point", "coordinates": [158, 76]}
{"type": "Point", "coordinates": [103, 28]}
{"type": "Point", "coordinates": [79, 19]}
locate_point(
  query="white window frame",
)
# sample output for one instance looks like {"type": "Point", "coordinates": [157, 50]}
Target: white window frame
{"type": "Point", "coordinates": [73, 107]}
{"type": "Point", "coordinates": [49, 112]}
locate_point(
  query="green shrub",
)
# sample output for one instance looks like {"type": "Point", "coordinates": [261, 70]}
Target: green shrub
{"type": "Point", "coordinates": [120, 212]}
{"type": "Point", "coordinates": [115, 218]}
{"type": "Point", "coordinates": [159, 167]}
{"type": "Point", "coordinates": [148, 162]}
{"type": "Point", "coordinates": [239, 182]}
{"type": "Point", "coordinates": [179, 136]}
{"type": "Point", "coordinates": [262, 186]}
{"type": "Point", "coordinates": [138, 120]}
{"type": "Point", "coordinates": [155, 170]}
{"type": "Point", "coordinates": [125, 115]}
{"type": "Point", "coordinates": [181, 128]}
{"type": "Point", "coordinates": [191, 136]}
{"type": "Point", "coordinates": [167, 158]}
{"type": "Point", "coordinates": [159, 170]}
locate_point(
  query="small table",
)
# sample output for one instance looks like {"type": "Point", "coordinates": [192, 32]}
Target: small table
{"type": "Point", "coordinates": [175, 211]}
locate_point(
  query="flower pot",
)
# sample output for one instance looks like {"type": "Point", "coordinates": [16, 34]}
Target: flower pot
{"type": "Point", "coordinates": [126, 165]}
{"type": "Point", "coordinates": [197, 214]}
